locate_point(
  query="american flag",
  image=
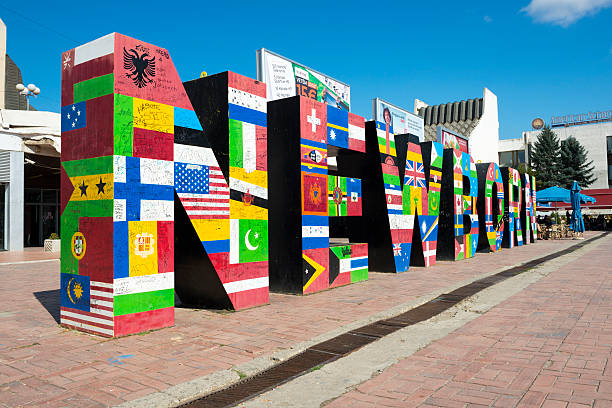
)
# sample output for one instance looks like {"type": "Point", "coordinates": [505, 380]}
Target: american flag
{"type": "Point", "coordinates": [99, 319]}
{"type": "Point", "coordinates": [203, 190]}
{"type": "Point", "coordinates": [415, 175]}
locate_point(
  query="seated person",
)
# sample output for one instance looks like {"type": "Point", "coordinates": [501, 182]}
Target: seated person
{"type": "Point", "coordinates": [547, 221]}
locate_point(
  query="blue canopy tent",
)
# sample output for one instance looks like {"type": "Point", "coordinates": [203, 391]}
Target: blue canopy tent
{"type": "Point", "coordinates": [550, 194]}
{"type": "Point", "coordinates": [557, 194]}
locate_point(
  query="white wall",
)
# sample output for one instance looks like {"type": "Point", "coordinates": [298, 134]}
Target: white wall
{"type": "Point", "coordinates": [15, 201]}
{"type": "Point", "coordinates": [484, 138]}
{"type": "Point", "coordinates": [2, 62]}
{"type": "Point", "coordinates": [509, 145]}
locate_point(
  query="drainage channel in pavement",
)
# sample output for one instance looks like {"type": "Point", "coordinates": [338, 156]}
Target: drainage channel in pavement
{"type": "Point", "coordinates": [325, 352]}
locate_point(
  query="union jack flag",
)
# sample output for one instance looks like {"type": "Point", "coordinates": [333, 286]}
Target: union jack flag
{"type": "Point", "coordinates": [397, 249]}
{"type": "Point", "coordinates": [415, 175]}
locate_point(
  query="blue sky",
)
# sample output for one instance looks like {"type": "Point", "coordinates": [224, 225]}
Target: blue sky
{"type": "Point", "coordinates": [541, 57]}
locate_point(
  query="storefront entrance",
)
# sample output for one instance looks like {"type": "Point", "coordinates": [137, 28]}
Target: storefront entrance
{"type": "Point", "coordinates": [41, 217]}
{"type": "Point", "coordinates": [41, 199]}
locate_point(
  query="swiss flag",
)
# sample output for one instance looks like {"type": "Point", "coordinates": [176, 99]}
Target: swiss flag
{"type": "Point", "coordinates": [313, 118]}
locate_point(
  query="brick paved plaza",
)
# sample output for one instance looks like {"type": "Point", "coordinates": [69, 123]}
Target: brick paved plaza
{"type": "Point", "coordinates": [546, 346]}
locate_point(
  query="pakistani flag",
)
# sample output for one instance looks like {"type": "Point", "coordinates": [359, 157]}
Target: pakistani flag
{"type": "Point", "coordinates": [249, 241]}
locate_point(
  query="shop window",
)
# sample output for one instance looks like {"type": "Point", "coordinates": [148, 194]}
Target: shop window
{"type": "Point", "coordinates": [50, 196]}
{"type": "Point", "coordinates": [505, 159]}
{"type": "Point", "coordinates": [32, 195]}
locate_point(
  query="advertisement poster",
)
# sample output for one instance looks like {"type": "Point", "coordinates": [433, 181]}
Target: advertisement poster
{"type": "Point", "coordinates": [402, 121]}
{"type": "Point", "coordinates": [450, 139]}
{"type": "Point", "coordinates": [285, 78]}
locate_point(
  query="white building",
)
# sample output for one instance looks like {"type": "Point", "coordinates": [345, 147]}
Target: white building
{"type": "Point", "coordinates": [593, 131]}
{"type": "Point", "coordinates": [476, 119]}
{"type": "Point", "coordinates": [29, 177]}
{"type": "Point", "coordinates": [29, 163]}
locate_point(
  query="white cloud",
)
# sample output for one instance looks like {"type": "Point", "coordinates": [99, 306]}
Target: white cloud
{"type": "Point", "coordinates": [563, 12]}
{"type": "Point", "coordinates": [487, 19]}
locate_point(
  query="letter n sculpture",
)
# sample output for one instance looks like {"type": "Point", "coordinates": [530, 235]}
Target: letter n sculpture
{"type": "Point", "coordinates": [222, 219]}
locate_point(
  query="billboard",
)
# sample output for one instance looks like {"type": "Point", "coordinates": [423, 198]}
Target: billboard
{"type": "Point", "coordinates": [285, 78]}
{"type": "Point", "coordinates": [402, 121]}
{"type": "Point", "coordinates": [450, 139]}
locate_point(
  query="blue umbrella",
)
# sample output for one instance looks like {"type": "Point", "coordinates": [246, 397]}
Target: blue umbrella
{"type": "Point", "coordinates": [555, 193]}
{"type": "Point", "coordinates": [577, 221]}
{"type": "Point", "coordinates": [559, 194]}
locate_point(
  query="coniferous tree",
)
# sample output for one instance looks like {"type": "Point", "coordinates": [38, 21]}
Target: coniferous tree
{"type": "Point", "coordinates": [545, 159]}
{"type": "Point", "coordinates": [574, 165]}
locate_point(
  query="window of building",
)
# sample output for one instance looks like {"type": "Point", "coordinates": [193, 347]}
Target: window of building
{"type": "Point", "coordinates": [505, 158]}
{"type": "Point", "coordinates": [512, 158]}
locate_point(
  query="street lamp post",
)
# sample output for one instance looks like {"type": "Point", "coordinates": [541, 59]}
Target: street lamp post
{"type": "Point", "coordinates": [27, 91]}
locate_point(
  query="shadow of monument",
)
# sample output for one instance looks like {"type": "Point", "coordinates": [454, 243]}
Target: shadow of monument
{"type": "Point", "coordinates": [50, 299]}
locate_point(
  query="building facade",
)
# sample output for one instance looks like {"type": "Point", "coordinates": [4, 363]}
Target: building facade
{"type": "Point", "coordinates": [595, 135]}
{"type": "Point", "coordinates": [29, 163]}
{"type": "Point", "coordinates": [476, 119]}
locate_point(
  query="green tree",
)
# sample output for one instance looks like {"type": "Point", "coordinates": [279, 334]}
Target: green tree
{"type": "Point", "coordinates": [545, 159]}
{"type": "Point", "coordinates": [574, 165]}
{"type": "Point", "coordinates": [523, 168]}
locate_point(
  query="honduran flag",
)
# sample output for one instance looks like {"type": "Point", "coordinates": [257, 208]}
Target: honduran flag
{"type": "Point", "coordinates": [315, 232]}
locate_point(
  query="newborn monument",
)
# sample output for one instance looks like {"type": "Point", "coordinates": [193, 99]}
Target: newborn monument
{"type": "Point", "coordinates": [206, 191]}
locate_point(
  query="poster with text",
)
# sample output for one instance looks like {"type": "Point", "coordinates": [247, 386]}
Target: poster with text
{"type": "Point", "coordinates": [285, 78]}
{"type": "Point", "coordinates": [402, 121]}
